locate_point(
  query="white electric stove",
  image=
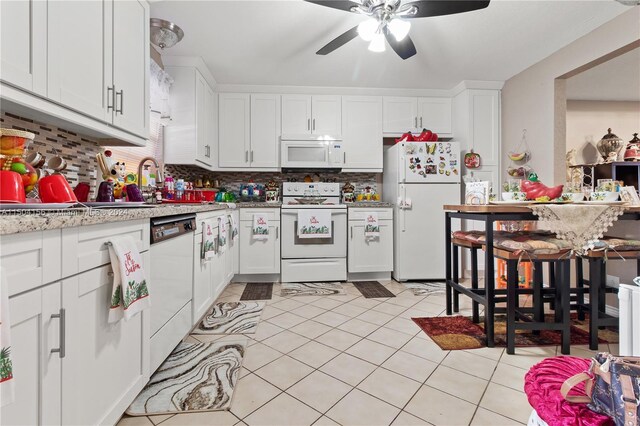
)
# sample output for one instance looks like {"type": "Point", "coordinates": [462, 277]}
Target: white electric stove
{"type": "Point", "coordinates": [313, 259]}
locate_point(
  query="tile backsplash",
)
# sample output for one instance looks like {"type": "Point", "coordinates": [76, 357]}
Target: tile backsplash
{"type": "Point", "coordinates": [80, 153]}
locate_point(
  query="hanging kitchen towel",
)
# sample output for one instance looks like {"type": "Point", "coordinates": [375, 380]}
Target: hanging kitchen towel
{"type": "Point", "coordinates": [208, 250]}
{"type": "Point", "coordinates": [130, 294]}
{"type": "Point", "coordinates": [260, 230]}
{"type": "Point", "coordinates": [6, 369]}
{"type": "Point", "coordinates": [234, 227]}
{"type": "Point", "coordinates": [371, 225]}
{"type": "Point", "coordinates": [314, 223]}
{"type": "Point", "coordinates": [222, 233]}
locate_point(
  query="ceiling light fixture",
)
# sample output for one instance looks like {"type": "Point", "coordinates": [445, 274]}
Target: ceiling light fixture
{"type": "Point", "coordinates": [399, 28]}
{"type": "Point", "coordinates": [164, 34]}
{"type": "Point", "coordinates": [377, 43]}
{"type": "Point", "coordinates": [367, 29]}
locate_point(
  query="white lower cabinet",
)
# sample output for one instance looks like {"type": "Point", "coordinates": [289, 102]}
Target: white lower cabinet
{"type": "Point", "coordinates": [370, 254]}
{"type": "Point", "coordinates": [259, 256]}
{"type": "Point", "coordinates": [35, 331]}
{"type": "Point", "coordinates": [111, 358]}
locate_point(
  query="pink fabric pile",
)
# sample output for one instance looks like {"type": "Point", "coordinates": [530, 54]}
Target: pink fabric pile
{"type": "Point", "coordinates": [542, 385]}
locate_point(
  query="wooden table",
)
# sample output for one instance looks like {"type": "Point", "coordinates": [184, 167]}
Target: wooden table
{"type": "Point", "coordinates": [489, 214]}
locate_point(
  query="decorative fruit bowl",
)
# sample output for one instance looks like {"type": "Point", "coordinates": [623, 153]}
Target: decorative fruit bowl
{"type": "Point", "coordinates": [13, 145]}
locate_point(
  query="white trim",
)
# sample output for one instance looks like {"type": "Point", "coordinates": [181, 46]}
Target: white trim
{"type": "Point", "coordinates": [191, 61]}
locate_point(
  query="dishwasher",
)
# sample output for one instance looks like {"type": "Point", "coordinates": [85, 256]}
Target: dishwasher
{"type": "Point", "coordinates": [171, 278]}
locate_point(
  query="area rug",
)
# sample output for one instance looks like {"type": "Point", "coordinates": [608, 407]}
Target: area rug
{"type": "Point", "coordinates": [231, 318]}
{"type": "Point", "coordinates": [458, 332]}
{"type": "Point", "coordinates": [372, 289]}
{"type": "Point", "coordinates": [195, 377]}
{"type": "Point", "coordinates": [312, 289]}
{"type": "Point", "coordinates": [426, 288]}
{"type": "Point", "coordinates": [257, 291]}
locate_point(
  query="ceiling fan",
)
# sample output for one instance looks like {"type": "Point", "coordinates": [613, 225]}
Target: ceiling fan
{"type": "Point", "coordinates": [389, 19]}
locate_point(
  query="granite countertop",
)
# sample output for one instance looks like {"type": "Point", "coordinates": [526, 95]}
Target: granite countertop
{"type": "Point", "coordinates": [258, 204]}
{"type": "Point", "coordinates": [369, 204]}
{"type": "Point", "coordinates": [17, 221]}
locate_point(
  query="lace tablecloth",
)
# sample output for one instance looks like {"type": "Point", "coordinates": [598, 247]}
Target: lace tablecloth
{"type": "Point", "coordinates": [581, 225]}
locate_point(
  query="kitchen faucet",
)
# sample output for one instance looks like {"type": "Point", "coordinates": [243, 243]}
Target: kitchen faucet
{"type": "Point", "coordinates": [158, 175]}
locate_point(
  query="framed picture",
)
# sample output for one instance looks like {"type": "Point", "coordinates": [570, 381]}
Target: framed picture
{"type": "Point", "coordinates": [477, 192]}
{"type": "Point", "coordinates": [628, 194]}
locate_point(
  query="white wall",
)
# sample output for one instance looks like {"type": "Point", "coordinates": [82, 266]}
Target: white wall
{"type": "Point", "coordinates": [587, 122]}
{"type": "Point", "coordinates": [528, 99]}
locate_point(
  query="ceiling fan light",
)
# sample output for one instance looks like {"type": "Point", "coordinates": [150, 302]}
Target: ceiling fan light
{"type": "Point", "coordinates": [399, 28]}
{"type": "Point", "coordinates": [367, 29]}
{"type": "Point", "coordinates": [377, 43]}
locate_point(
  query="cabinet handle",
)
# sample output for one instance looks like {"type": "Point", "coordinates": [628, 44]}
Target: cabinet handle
{"type": "Point", "coordinates": [344, 158]}
{"type": "Point", "coordinates": [252, 156]}
{"type": "Point", "coordinates": [62, 348]}
{"type": "Point", "coordinates": [351, 232]}
{"type": "Point", "coordinates": [277, 232]}
{"type": "Point", "coordinates": [308, 124]}
{"type": "Point", "coordinates": [314, 124]}
{"type": "Point", "coordinates": [121, 94]}
{"type": "Point", "coordinates": [111, 96]}
{"type": "Point", "coordinates": [420, 121]}
{"type": "Point", "coordinates": [246, 156]}
{"type": "Point", "coordinates": [415, 120]}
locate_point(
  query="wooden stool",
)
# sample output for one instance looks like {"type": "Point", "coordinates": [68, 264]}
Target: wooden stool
{"type": "Point", "coordinates": [473, 247]}
{"type": "Point", "coordinates": [517, 318]}
{"type": "Point", "coordinates": [597, 283]}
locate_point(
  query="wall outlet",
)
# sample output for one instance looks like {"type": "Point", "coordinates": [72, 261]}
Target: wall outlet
{"type": "Point", "coordinates": [613, 281]}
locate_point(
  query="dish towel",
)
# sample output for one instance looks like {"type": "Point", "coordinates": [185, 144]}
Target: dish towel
{"type": "Point", "coordinates": [260, 230]}
{"type": "Point", "coordinates": [234, 227]}
{"type": "Point", "coordinates": [130, 293]}
{"type": "Point", "coordinates": [371, 225]}
{"type": "Point", "coordinates": [208, 240]}
{"type": "Point", "coordinates": [222, 234]}
{"type": "Point", "coordinates": [314, 223]}
{"type": "Point", "coordinates": [6, 369]}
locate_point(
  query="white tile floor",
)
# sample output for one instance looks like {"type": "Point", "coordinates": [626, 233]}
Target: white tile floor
{"type": "Point", "coordinates": [349, 360]}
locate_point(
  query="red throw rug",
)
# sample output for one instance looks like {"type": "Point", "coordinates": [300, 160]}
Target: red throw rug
{"type": "Point", "coordinates": [458, 332]}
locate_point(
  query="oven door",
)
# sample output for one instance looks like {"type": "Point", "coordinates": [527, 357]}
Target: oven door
{"type": "Point", "coordinates": [311, 248]}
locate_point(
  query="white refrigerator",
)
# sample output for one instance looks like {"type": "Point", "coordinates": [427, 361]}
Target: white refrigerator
{"type": "Point", "coordinates": [419, 178]}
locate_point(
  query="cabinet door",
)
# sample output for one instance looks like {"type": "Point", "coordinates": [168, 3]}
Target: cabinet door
{"type": "Point", "coordinates": [131, 66]}
{"type": "Point", "coordinates": [229, 252]}
{"type": "Point", "coordinates": [400, 114]}
{"type": "Point", "coordinates": [202, 145]}
{"type": "Point", "coordinates": [370, 255]}
{"type": "Point", "coordinates": [435, 114]}
{"type": "Point", "coordinates": [23, 44]}
{"type": "Point", "coordinates": [484, 125]}
{"type": "Point", "coordinates": [79, 60]}
{"type": "Point", "coordinates": [37, 371]}
{"type": "Point", "coordinates": [296, 114]}
{"type": "Point", "coordinates": [362, 132]}
{"type": "Point", "coordinates": [113, 358]}
{"type": "Point", "coordinates": [202, 289]}
{"type": "Point", "coordinates": [234, 129]}
{"type": "Point", "coordinates": [259, 256]}
{"type": "Point", "coordinates": [265, 131]}
{"type": "Point", "coordinates": [326, 118]}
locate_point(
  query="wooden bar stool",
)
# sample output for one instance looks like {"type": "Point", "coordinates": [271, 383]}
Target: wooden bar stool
{"type": "Point", "coordinates": [473, 248]}
{"type": "Point", "coordinates": [520, 319]}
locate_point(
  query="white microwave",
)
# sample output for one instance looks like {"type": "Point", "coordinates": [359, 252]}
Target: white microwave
{"type": "Point", "coordinates": [326, 154]}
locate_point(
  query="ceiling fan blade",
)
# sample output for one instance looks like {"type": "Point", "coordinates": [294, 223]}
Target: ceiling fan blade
{"type": "Point", "coordinates": [339, 41]}
{"type": "Point", "coordinates": [345, 5]}
{"type": "Point", "coordinates": [426, 8]}
{"type": "Point", "coordinates": [405, 48]}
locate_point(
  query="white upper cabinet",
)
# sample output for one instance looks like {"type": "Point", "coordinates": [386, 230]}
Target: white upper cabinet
{"type": "Point", "coordinates": [362, 132]}
{"type": "Point", "coordinates": [23, 44]}
{"type": "Point", "coordinates": [408, 114]}
{"type": "Point", "coordinates": [190, 137]}
{"type": "Point", "coordinates": [265, 131]}
{"type": "Point", "coordinates": [131, 66]}
{"type": "Point", "coordinates": [79, 74]}
{"type": "Point", "coordinates": [435, 114]}
{"type": "Point", "coordinates": [311, 115]}
{"type": "Point", "coordinates": [249, 131]}
{"type": "Point", "coordinates": [484, 125]}
{"type": "Point", "coordinates": [234, 129]}
{"type": "Point", "coordinates": [296, 114]}
{"type": "Point", "coordinates": [400, 114]}
{"type": "Point", "coordinates": [326, 118]}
